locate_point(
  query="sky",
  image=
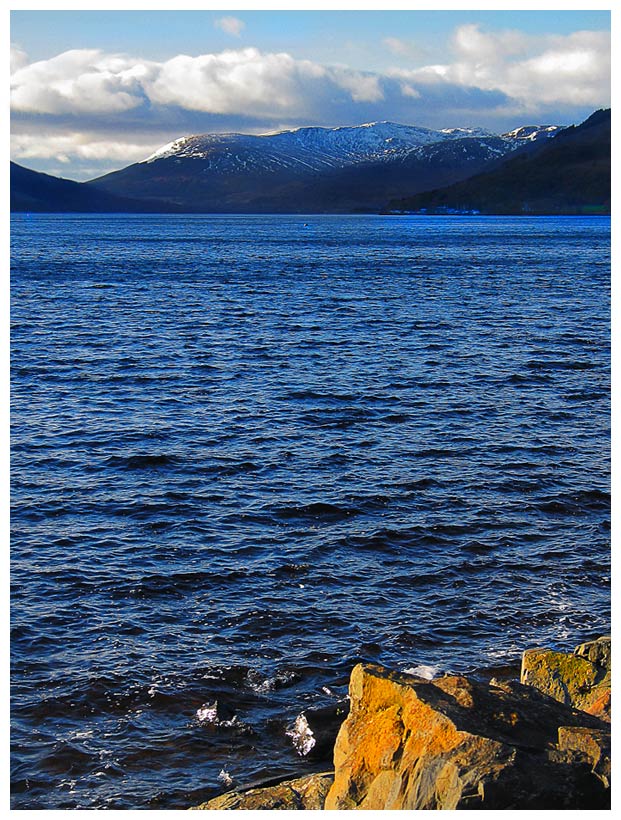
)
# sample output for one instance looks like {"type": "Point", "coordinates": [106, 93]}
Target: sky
{"type": "Point", "coordinates": [93, 91]}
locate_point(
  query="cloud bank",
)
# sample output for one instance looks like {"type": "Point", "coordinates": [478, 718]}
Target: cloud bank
{"type": "Point", "coordinates": [93, 111]}
{"type": "Point", "coordinates": [533, 71]}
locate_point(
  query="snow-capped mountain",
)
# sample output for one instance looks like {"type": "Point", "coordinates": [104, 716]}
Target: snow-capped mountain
{"type": "Point", "coordinates": [313, 147]}
{"type": "Point", "coordinates": [532, 133]}
{"type": "Point", "coordinates": [318, 148]}
{"type": "Point", "coordinates": [313, 168]}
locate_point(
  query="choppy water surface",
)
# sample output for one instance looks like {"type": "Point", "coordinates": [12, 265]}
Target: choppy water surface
{"type": "Point", "coordinates": [248, 453]}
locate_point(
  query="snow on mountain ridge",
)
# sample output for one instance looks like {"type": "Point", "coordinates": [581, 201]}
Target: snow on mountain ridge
{"type": "Point", "coordinates": [168, 149]}
{"type": "Point", "coordinates": [533, 132]}
{"type": "Point", "coordinates": [319, 147]}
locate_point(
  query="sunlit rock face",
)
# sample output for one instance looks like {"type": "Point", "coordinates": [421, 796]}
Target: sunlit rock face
{"type": "Point", "coordinates": [453, 743]}
{"type": "Point", "coordinates": [580, 680]}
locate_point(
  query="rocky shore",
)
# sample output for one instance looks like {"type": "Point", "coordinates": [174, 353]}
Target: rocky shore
{"type": "Point", "coordinates": [458, 743]}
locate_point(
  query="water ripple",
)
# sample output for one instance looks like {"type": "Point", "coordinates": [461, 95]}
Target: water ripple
{"type": "Point", "coordinates": [246, 457]}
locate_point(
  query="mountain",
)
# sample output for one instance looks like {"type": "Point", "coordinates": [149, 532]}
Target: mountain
{"type": "Point", "coordinates": [311, 169]}
{"type": "Point", "coordinates": [33, 191]}
{"type": "Point", "coordinates": [568, 175]}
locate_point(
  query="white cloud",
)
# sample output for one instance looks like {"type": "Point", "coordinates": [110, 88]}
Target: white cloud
{"type": "Point", "coordinates": [231, 25]}
{"type": "Point", "coordinates": [245, 80]}
{"type": "Point", "coordinates": [77, 81]}
{"type": "Point", "coordinates": [534, 71]}
{"type": "Point", "coordinates": [79, 145]}
{"type": "Point", "coordinates": [88, 105]}
{"type": "Point", "coordinates": [362, 87]}
{"type": "Point", "coordinates": [396, 45]}
{"type": "Point", "coordinates": [19, 58]}
{"type": "Point", "coordinates": [412, 50]}
{"type": "Point", "coordinates": [574, 70]}
{"type": "Point", "coordinates": [409, 91]}
{"type": "Point", "coordinates": [473, 44]}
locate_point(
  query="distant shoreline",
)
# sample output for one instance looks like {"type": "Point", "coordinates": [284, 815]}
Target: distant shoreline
{"type": "Point", "coordinates": [302, 215]}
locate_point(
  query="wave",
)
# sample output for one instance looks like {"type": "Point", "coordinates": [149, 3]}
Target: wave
{"type": "Point", "coordinates": [142, 461]}
{"type": "Point", "coordinates": [315, 511]}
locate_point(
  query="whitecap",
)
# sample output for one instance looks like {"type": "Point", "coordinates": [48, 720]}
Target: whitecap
{"type": "Point", "coordinates": [268, 684]}
{"type": "Point", "coordinates": [423, 671]}
{"type": "Point", "coordinates": [82, 735]}
{"type": "Point", "coordinates": [208, 713]}
{"type": "Point", "coordinates": [225, 777]}
{"type": "Point", "coordinates": [302, 736]}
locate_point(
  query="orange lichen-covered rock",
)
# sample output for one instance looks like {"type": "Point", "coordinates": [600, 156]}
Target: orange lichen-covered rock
{"type": "Point", "coordinates": [580, 679]}
{"type": "Point", "coordinates": [454, 743]}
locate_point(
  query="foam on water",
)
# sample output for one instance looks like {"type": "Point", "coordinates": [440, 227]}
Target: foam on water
{"type": "Point", "coordinates": [302, 735]}
{"type": "Point", "coordinates": [209, 714]}
{"type": "Point", "coordinates": [424, 671]}
{"type": "Point", "coordinates": [225, 777]}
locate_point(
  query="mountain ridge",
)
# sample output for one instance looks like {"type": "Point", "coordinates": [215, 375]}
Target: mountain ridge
{"type": "Point", "coordinates": [359, 143]}
{"type": "Point", "coordinates": [310, 169]}
{"type": "Point", "coordinates": [339, 170]}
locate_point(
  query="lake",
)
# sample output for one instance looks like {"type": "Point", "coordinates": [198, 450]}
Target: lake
{"type": "Point", "coordinates": [249, 452]}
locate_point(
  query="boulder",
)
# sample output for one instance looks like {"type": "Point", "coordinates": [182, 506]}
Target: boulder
{"type": "Point", "coordinates": [302, 793]}
{"type": "Point", "coordinates": [580, 679]}
{"type": "Point", "coordinates": [598, 651]}
{"type": "Point", "coordinates": [593, 744]}
{"type": "Point", "coordinates": [454, 743]}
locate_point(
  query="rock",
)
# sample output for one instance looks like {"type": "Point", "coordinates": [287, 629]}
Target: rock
{"type": "Point", "coordinates": [580, 680]}
{"type": "Point", "coordinates": [597, 651]}
{"type": "Point", "coordinates": [454, 743]}
{"type": "Point", "coordinates": [593, 744]}
{"type": "Point", "coordinates": [302, 793]}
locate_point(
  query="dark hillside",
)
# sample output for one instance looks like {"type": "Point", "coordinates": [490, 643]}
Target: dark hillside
{"type": "Point", "coordinates": [32, 191]}
{"type": "Point", "coordinates": [568, 175]}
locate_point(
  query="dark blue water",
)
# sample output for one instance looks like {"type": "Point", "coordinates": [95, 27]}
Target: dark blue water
{"type": "Point", "coordinates": [248, 453]}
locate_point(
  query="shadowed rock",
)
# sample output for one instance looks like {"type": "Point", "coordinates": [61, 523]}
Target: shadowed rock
{"type": "Point", "coordinates": [306, 793]}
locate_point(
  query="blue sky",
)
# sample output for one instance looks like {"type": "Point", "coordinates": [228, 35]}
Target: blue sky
{"type": "Point", "coordinates": [96, 90]}
{"type": "Point", "coordinates": [316, 35]}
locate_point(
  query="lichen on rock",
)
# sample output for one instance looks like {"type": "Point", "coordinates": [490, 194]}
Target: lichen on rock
{"type": "Point", "coordinates": [581, 679]}
{"type": "Point", "coordinates": [454, 743]}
